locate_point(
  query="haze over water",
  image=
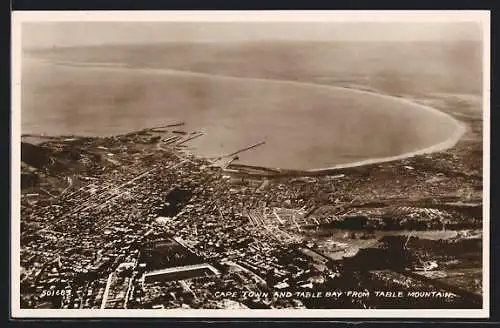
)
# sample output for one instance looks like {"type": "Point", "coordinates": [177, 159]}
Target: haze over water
{"type": "Point", "coordinates": [239, 94]}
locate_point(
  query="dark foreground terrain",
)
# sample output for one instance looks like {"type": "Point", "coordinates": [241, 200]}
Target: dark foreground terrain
{"type": "Point", "coordinates": [134, 221]}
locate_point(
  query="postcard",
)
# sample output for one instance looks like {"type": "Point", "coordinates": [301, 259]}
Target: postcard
{"type": "Point", "coordinates": [320, 164]}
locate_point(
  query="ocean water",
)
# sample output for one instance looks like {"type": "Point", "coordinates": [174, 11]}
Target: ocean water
{"type": "Point", "coordinates": [304, 126]}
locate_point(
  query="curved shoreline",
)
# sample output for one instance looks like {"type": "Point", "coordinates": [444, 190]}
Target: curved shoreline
{"type": "Point", "coordinates": [447, 144]}
{"type": "Point", "coordinates": [450, 142]}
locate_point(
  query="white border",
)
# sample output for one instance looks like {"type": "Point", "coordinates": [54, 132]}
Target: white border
{"type": "Point", "coordinates": [486, 162]}
{"type": "Point", "coordinates": [18, 18]}
{"type": "Point", "coordinates": [256, 16]}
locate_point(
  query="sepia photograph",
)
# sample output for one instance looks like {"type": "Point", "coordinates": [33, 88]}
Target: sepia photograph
{"type": "Point", "coordinates": [250, 164]}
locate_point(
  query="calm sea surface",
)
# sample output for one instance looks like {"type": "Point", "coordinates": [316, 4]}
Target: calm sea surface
{"type": "Point", "coordinates": [305, 126]}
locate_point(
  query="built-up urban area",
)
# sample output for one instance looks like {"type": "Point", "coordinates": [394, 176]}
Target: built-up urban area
{"type": "Point", "coordinates": [135, 221]}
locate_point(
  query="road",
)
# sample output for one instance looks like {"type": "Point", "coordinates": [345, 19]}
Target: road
{"type": "Point", "coordinates": [106, 291]}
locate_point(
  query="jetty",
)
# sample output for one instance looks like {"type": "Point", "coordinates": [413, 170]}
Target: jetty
{"type": "Point", "coordinates": [242, 150]}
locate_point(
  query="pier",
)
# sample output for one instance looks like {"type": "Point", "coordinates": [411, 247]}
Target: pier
{"type": "Point", "coordinates": [190, 138]}
{"type": "Point", "coordinates": [242, 150]}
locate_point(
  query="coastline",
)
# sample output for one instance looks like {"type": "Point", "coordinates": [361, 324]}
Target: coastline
{"type": "Point", "coordinates": [450, 142]}
{"type": "Point", "coordinates": [447, 144]}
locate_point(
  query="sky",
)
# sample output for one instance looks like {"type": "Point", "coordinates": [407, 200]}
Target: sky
{"type": "Point", "coordinates": [48, 34]}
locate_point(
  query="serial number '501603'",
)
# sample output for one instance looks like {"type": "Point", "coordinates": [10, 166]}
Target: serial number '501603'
{"type": "Point", "coordinates": [55, 292]}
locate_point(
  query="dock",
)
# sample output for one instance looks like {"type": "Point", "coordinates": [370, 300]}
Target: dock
{"type": "Point", "coordinates": [167, 126]}
{"type": "Point", "coordinates": [190, 138]}
{"type": "Point", "coordinates": [242, 150]}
